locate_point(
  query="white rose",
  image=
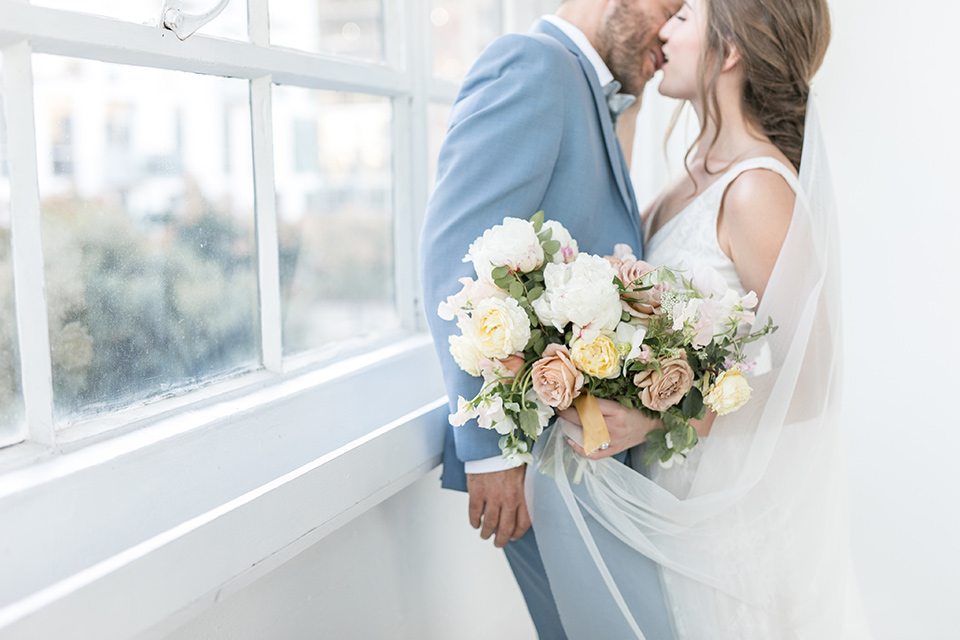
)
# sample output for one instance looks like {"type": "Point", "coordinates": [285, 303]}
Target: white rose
{"type": "Point", "coordinates": [466, 354]}
{"type": "Point", "coordinates": [568, 246]}
{"type": "Point", "coordinates": [498, 328]}
{"type": "Point", "coordinates": [581, 293]}
{"type": "Point", "coordinates": [513, 244]}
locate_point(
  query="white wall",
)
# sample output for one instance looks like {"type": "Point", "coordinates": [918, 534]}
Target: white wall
{"type": "Point", "coordinates": [411, 568]}
{"type": "Point", "coordinates": [888, 95]}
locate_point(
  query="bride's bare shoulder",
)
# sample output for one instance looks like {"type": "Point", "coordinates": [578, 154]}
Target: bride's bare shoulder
{"type": "Point", "coordinates": [754, 219]}
{"type": "Point", "coordinates": [758, 197]}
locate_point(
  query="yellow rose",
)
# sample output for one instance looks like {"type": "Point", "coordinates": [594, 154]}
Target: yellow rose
{"type": "Point", "coordinates": [729, 392]}
{"type": "Point", "coordinates": [599, 358]}
{"type": "Point", "coordinates": [465, 354]}
{"type": "Point", "coordinates": [500, 327]}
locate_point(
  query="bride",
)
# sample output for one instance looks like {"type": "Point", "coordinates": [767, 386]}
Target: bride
{"type": "Point", "coordinates": [750, 532]}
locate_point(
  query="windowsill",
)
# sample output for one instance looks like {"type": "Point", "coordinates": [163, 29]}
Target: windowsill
{"type": "Point", "coordinates": [266, 472]}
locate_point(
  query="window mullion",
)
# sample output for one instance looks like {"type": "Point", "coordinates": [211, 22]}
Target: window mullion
{"type": "Point", "coordinates": [28, 265]}
{"type": "Point", "coordinates": [258, 19]}
{"type": "Point", "coordinates": [411, 159]}
{"type": "Point", "coordinates": [268, 253]}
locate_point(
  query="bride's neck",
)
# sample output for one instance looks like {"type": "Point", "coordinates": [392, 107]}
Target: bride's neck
{"type": "Point", "coordinates": [738, 136]}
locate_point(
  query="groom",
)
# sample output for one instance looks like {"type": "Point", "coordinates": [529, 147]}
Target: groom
{"type": "Point", "coordinates": [532, 130]}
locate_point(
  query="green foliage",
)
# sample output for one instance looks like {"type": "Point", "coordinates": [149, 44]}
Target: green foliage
{"type": "Point", "coordinates": [537, 221]}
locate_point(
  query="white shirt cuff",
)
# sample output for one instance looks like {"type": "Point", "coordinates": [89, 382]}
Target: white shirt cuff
{"type": "Point", "coordinates": [489, 465]}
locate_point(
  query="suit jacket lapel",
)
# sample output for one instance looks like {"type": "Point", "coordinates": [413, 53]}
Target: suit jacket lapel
{"type": "Point", "coordinates": [614, 154]}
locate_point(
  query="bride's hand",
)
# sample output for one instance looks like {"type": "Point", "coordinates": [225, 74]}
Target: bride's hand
{"type": "Point", "coordinates": [627, 427]}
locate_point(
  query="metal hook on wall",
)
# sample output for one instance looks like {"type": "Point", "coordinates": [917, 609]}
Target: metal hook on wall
{"type": "Point", "coordinates": [183, 24]}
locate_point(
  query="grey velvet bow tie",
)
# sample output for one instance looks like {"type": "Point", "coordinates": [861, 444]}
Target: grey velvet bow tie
{"type": "Point", "coordinates": [616, 102]}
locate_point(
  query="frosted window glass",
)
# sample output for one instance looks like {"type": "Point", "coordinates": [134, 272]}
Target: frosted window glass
{"type": "Point", "coordinates": [12, 426]}
{"type": "Point", "coordinates": [333, 158]}
{"type": "Point", "coordinates": [146, 188]}
{"type": "Point", "coordinates": [461, 30]}
{"type": "Point", "coordinates": [347, 27]}
{"type": "Point", "coordinates": [232, 23]}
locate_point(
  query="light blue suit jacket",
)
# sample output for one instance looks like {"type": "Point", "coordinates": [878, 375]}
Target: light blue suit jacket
{"type": "Point", "coordinates": [530, 130]}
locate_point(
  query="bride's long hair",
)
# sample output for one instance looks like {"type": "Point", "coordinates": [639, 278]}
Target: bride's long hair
{"type": "Point", "coordinates": [781, 44]}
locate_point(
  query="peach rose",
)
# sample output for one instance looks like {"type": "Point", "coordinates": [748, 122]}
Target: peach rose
{"type": "Point", "coordinates": [555, 379]}
{"type": "Point", "coordinates": [502, 369]}
{"type": "Point", "coordinates": [661, 390]}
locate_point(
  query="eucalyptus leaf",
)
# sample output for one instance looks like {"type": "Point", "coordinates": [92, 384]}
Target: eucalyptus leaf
{"type": "Point", "coordinates": [529, 423]}
{"type": "Point", "coordinates": [516, 290]}
{"type": "Point", "coordinates": [537, 221]}
{"type": "Point", "coordinates": [535, 293]}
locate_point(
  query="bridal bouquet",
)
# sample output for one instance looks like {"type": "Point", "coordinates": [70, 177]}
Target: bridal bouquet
{"type": "Point", "coordinates": [547, 327]}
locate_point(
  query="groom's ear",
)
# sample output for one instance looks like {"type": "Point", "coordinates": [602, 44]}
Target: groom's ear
{"type": "Point", "coordinates": [733, 57]}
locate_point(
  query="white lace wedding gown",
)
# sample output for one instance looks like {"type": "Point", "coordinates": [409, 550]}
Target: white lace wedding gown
{"type": "Point", "coordinates": [750, 535]}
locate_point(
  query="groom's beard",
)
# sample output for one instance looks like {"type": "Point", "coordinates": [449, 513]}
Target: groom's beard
{"type": "Point", "coordinates": [624, 41]}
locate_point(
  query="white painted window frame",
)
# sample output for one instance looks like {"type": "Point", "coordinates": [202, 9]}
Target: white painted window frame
{"type": "Point", "coordinates": [131, 522]}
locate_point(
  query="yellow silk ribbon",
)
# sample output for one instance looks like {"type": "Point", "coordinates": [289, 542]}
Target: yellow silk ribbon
{"type": "Point", "coordinates": [595, 432]}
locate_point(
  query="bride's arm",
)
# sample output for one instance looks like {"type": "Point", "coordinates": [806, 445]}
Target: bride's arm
{"type": "Point", "coordinates": [627, 427]}
{"type": "Point", "coordinates": [752, 225]}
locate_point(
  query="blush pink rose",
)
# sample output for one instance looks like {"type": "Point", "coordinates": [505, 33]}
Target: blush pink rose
{"type": "Point", "coordinates": [556, 380]}
{"type": "Point", "coordinates": [503, 370]}
{"type": "Point", "coordinates": [661, 390]}
{"type": "Point", "coordinates": [639, 304]}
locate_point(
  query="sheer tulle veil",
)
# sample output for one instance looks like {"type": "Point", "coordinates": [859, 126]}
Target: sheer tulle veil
{"type": "Point", "coordinates": [751, 534]}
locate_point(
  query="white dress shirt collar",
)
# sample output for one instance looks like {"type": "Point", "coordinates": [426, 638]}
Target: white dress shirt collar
{"type": "Point", "coordinates": [580, 39]}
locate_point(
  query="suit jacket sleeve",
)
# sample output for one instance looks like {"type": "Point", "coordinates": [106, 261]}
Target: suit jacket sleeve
{"type": "Point", "coordinates": [497, 161]}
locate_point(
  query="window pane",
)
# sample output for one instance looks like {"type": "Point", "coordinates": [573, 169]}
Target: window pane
{"type": "Point", "coordinates": [348, 27]}
{"type": "Point", "coordinates": [461, 30]}
{"type": "Point", "coordinates": [438, 115]}
{"type": "Point", "coordinates": [232, 23]}
{"type": "Point", "coordinates": [333, 154]}
{"type": "Point", "coordinates": [146, 185]}
{"type": "Point", "coordinates": [12, 426]}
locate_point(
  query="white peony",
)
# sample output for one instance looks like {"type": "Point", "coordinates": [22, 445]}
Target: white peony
{"type": "Point", "coordinates": [513, 244]}
{"type": "Point", "coordinates": [581, 293]}
{"type": "Point", "coordinates": [568, 246]}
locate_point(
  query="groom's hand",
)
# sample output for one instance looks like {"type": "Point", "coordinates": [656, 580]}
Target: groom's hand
{"type": "Point", "coordinates": [497, 502]}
